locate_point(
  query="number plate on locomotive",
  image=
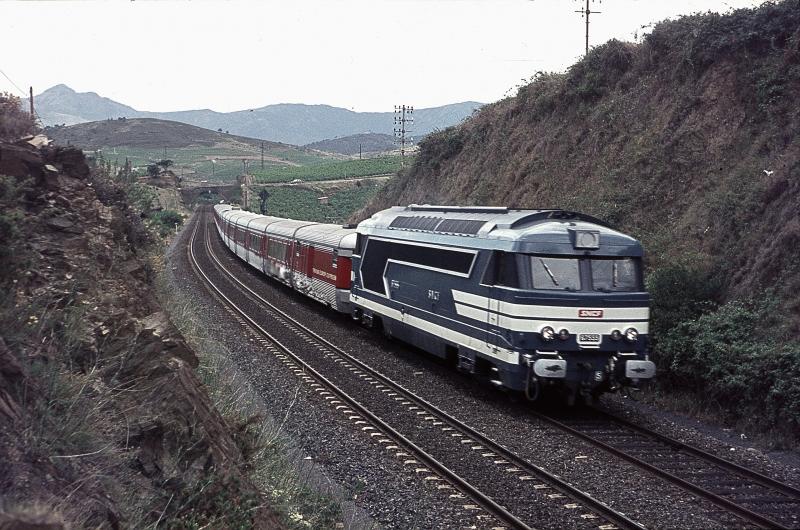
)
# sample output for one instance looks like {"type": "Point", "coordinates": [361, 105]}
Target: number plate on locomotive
{"type": "Point", "coordinates": [588, 337]}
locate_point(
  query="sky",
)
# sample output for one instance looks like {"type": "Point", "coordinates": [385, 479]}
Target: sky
{"type": "Point", "coordinates": [364, 55]}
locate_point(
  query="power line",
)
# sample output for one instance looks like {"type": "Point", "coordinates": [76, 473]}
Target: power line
{"type": "Point", "coordinates": [13, 83]}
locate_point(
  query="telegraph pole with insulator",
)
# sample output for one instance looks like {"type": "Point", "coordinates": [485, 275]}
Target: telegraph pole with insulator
{"type": "Point", "coordinates": [585, 13]}
{"type": "Point", "coordinates": [403, 119]}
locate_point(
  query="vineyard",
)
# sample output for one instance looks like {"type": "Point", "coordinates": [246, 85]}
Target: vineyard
{"type": "Point", "coordinates": [196, 160]}
{"type": "Point", "coordinates": [330, 170]}
{"type": "Point", "coordinates": [303, 203]}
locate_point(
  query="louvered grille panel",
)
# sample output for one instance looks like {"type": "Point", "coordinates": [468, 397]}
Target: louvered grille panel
{"type": "Point", "coordinates": [460, 226]}
{"type": "Point", "coordinates": [415, 223]}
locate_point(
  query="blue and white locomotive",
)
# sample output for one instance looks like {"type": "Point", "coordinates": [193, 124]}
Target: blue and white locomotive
{"type": "Point", "coordinates": [529, 300]}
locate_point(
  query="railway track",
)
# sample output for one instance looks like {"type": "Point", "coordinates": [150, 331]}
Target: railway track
{"type": "Point", "coordinates": [753, 497]}
{"type": "Point", "coordinates": [519, 484]}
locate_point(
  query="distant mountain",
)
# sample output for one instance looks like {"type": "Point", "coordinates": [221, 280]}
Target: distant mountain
{"type": "Point", "coordinates": [62, 105]}
{"type": "Point", "coordinates": [352, 145]}
{"type": "Point", "coordinates": [146, 133]}
{"type": "Point", "coordinates": [288, 123]}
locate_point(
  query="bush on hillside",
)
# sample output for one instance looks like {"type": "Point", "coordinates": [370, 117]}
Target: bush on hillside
{"type": "Point", "coordinates": [166, 221]}
{"type": "Point", "coordinates": [441, 146]}
{"type": "Point", "coordinates": [14, 122]}
{"type": "Point", "coordinates": [733, 357]}
{"type": "Point", "coordinates": [704, 39]}
{"type": "Point", "coordinates": [600, 71]}
{"type": "Point", "coordinates": [679, 293]}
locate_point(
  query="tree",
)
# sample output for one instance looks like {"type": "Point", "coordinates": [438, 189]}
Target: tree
{"type": "Point", "coordinates": [14, 122]}
{"type": "Point", "coordinates": [263, 195]}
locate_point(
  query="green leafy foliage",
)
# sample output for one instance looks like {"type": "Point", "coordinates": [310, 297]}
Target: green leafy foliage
{"type": "Point", "coordinates": [166, 221]}
{"type": "Point", "coordinates": [303, 203]}
{"type": "Point", "coordinates": [734, 358]}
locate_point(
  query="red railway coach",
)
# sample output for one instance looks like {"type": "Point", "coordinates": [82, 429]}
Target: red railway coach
{"type": "Point", "coordinates": [313, 258]}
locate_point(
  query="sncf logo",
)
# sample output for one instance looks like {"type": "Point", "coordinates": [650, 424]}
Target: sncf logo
{"type": "Point", "coordinates": [590, 313]}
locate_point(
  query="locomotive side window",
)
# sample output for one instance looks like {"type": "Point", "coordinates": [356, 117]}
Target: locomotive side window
{"type": "Point", "coordinates": [359, 244]}
{"type": "Point", "coordinates": [378, 252]}
{"type": "Point", "coordinates": [502, 270]}
{"type": "Point", "coordinates": [615, 275]}
{"type": "Point", "coordinates": [555, 274]}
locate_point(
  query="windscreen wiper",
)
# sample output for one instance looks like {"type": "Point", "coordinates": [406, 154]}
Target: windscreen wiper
{"type": "Point", "coordinates": [549, 273]}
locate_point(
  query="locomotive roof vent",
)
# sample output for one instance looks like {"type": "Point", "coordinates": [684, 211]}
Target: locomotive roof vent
{"type": "Point", "coordinates": [457, 209]}
{"type": "Point", "coordinates": [464, 227]}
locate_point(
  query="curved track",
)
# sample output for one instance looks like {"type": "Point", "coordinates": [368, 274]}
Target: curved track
{"type": "Point", "coordinates": [751, 496]}
{"type": "Point", "coordinates": [515, 483]}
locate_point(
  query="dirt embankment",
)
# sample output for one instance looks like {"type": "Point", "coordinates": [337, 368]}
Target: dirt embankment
{"type": "Point", "coordinates": [689, 140]}
{"type": "Point", "coordinates": [103, 421]}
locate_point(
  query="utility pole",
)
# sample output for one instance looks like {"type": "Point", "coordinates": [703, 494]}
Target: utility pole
{"type": "Point", "coordinates": [165, 152]}
{"type": "Point", "coordinates": [32, 114]}
{"type": "Point", "coordinates": [359, 151]}
{"type": "Point", "coordinates": [403, 118]}
{"type": "Point", "coordinates": [262, 155]}
{"type": "Point", "coordinates": [585, 13]}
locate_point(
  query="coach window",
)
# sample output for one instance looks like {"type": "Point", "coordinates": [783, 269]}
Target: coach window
{"type": "Point", "coordinates": [335, 259]}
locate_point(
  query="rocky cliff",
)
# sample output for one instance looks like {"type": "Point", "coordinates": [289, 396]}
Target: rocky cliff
{"type": "Point", "coordinates": [103, 421]}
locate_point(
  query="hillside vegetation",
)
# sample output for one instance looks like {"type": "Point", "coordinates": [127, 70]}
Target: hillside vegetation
{"type": "Point", "coordinates": [690, 142]}
{"type": "Point", "coordinates": [357, 143]}
{"type": "Point", "coordinates": [198, 152]}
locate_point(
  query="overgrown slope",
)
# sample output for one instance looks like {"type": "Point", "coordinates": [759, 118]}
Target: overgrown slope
{"type": "Point", "coordinates": [690, 142]}
{"type": "Point", "coordinates": [104, 422]}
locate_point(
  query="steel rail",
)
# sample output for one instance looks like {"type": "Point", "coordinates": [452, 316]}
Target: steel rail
{"type": "Point", "coordinates": [462, 485]}
{"type": "Point", "coordinates": [755, 476]}
{"type": "Point", "coordinates": [755, 518]}
{"type": "Point", "coordinates": [618, 519]}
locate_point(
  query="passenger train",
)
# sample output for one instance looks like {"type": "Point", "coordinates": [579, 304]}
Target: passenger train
{"type": "Point", "coordinates": [529, 300]}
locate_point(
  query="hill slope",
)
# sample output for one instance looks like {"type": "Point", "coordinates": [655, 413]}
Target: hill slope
{"type": "Point", "coordinates": [197, 153]}
{"type": "Point", "coordinates": [691, 142]}
{"type": "Point", "coordinates": [352, 145]}
{"type": "Point", "coordinates": [143, 132]}
{"type": "Point", "coordinates": [287, 123]}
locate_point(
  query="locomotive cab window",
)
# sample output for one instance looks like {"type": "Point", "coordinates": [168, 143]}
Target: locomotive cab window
{"type": "Point", "coordinates": [502, 270]}
{"type": "Point", "coordinates": [616, 274]}
{"type": "Point", "coordinates": [555, 274]}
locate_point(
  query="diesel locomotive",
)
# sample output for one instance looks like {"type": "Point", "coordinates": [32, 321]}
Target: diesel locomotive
{"type": "Point", "coordinates": [529, 300]}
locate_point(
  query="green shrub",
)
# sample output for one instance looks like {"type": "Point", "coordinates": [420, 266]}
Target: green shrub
{"type": "Point", "coordinates": [732, 358]}
{"type": "Point", "coordinates": [679, 293]}
{"type": "Point", "coordinates": [166, 220]}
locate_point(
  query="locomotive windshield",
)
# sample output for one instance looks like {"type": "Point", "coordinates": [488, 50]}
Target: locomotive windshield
{"type": "Point", "coordinates": [555, 273]}
{"type": "Point", "coordinates": [615, 274]}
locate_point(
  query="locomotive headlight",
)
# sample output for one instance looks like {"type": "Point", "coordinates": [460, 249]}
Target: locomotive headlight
{"type": "Point", "coordinates": [563, 334]}
{"type": "Point", "coordinates": [631, 335]}
{"type": "Point", "coordinates": [547, 333]}
{"type": "Point", "coordinates": [587, 239]}
{"type": "Point", "coordinates": [616, 335]}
